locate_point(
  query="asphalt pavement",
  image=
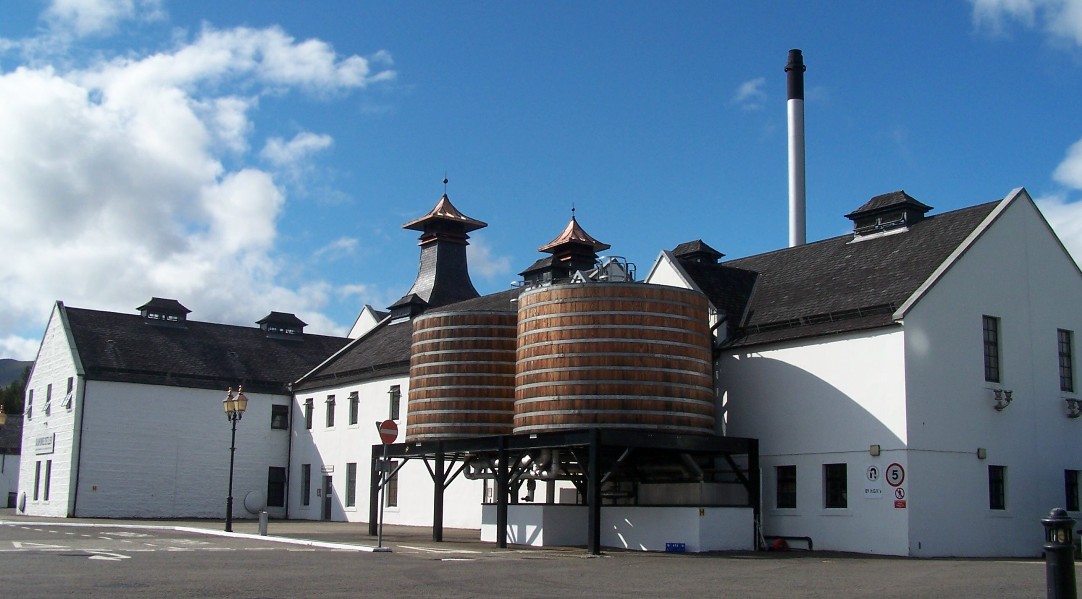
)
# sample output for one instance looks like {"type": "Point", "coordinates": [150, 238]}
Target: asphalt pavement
{"type": "Point", "coordinates": [83, 557]}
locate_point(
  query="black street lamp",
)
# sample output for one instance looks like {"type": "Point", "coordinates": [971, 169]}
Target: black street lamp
{"type": "Point", "coordinates": [234, 410]}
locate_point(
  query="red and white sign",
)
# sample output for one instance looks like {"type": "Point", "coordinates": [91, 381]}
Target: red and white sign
{"type": "Point", "coordinates": [899, 503]}
{"type": "Point", "coordinates": [895, 475]}
{"type": "Point", "coordinates": [388, 431]}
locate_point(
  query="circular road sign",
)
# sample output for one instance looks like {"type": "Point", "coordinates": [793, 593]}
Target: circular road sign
{"type": "Point", "coordinates": [895, 475]}
{"type": "Point", "coordinates": [388, 431]}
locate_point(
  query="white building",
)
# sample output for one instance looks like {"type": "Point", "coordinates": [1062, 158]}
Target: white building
{"type": "Point", "coordinates": [911, 386]}
{"type": "Point", "coordinates": [878, 371]}
{"type": "Point", "coordinates": [124, 416]}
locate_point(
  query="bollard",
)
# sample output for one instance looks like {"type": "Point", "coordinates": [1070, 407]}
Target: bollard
{"type": "Point", "coordinates": [263, 523]}
{"type": "Point", "coordinates": [1059, 555]}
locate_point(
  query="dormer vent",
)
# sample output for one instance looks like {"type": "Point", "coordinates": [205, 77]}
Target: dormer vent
{"type": "Point", "coordinates": [282, 325]}
{"type": "Point", "coordinates": [888, 212]}
{"type": "Point", "coordinates": [162, 311]}
{"type": "Point", "coordinates": [697, 251]}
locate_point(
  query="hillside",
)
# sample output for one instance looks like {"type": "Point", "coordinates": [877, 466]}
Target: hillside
{"type": "Point", "coordinates": [11, 370]}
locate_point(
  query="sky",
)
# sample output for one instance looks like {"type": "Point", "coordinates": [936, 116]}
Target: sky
{"type": "Point", "coordinates": [244, 157]}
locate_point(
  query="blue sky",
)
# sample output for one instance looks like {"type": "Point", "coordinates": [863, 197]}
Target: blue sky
{"type": "Point", "coordinates": [244, 157]}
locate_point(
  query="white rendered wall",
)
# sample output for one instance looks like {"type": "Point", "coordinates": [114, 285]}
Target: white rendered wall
{"type": "Point", "coordinates": [162, 452]}
{"type": "Point", "coordinates": [332, 448]}
{"type": "Point", "coordinates": [636, 528]}
{"type": "Point", "coordinates": [54, 365]}
{"type": "Point", "coordinates": [825, 401]}
{"type": "Point", "coordinates": [1016, 271]}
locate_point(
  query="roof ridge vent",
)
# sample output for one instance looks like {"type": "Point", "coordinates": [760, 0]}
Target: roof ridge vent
{"type": "Point", "coordinates": [282, 325]}
{"type": "Point", "coordinates": [164, 312]}
{"type": "Point", "coordinates": [894, 211]}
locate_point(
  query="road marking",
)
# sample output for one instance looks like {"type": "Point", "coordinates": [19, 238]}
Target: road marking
{"type": "Point", "coordinates": [112, 557]}
{"type": "Point", "coordinates": [28, 545]}
{"type": "Point", "coordinates": [433, 550]}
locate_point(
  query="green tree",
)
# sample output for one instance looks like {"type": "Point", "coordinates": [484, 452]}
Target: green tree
{"type": "Point", "coordinates": [13, 394]}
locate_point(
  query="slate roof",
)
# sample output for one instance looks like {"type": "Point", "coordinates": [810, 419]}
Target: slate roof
{"type": "Point", "coordinates": [835, 285]}
{"type": "Point", "coordinates": [385, 350]}
{"type": "Point", "coordinates": [126, 348]}
{"type": "Point", "coordinates": [11, 435]}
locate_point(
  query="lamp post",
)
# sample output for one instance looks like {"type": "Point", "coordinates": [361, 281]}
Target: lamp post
{"type": "Point", "coordinates": [234, 409]}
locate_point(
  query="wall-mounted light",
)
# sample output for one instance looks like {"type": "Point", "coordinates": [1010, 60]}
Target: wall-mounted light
{"type": "Point", "coordinates": [1003, 399]}
{"type": "Point", "coordinates": [874, 450]}
{"type": "Point", "coordinates": [1074, 407]}
{"type": "Point", "coordinates": [982, 453]}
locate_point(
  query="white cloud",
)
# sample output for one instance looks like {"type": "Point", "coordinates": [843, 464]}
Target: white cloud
{"type": "Point", "coordinates": [115, 188]}
{"type": "Point", "coordinates": [1061, 18]}
{"type": "Point", "coordinates": [19, 348]}
{"type": "Point", "coordinates": [285, 153]}
{"type": "Point", "coordinates": [100, 17]}
{"type": "Point", "coordinates": [483, 262]}
{"type": "Point", "coordinates": [336, 249]}
{"type": "Point", "coordinates": [750, 95]}
{"type": "Point", "coordinates": [1069, 172]}
{"type": "Point", "coordinates": [1066, 220]}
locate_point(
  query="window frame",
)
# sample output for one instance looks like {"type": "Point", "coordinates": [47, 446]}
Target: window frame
{"type": "Point", "coordinates": [1070, 490]}
{"type": "Point", "coordinates": [306, 484]}
{"type": "Point", "coordinates": [48, 479]}
{"type": "Point", "coordinates": [280, 414]}
{"type": "Point", "coordinates": [309, 409]}
{"type": "Point", "coordinates": [394, 402]}
{"type": "Point", "coordinates": [785, 486]}
{"type": "Point", "coordinates": [330, 411]}
{"type": "Point", "coordinates": [354, 407]}
{"type": "Point", "coordinates": [836, 497]}
{"type": "Point", "coordinates": [997, 487]}
{"type": "Point", "coordinates": [351, 484]}
{"type": "Point", "coordinates": [993, 360]}
{"type": "Point", "coordinates": [390, 490]}
{"type": "Point", "coordinates": [1065, 345]}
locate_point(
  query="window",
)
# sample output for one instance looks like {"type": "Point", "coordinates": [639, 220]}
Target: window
{"type": "Point", "coordinates": [306, 484]}
{"type": "Point", "coordinates": [330, 411]}
{"type": "Point", "coordinates": [308, 413]}
{"type": "Point", "coordinates": [276, 486]}
{"type": "Point", "coordinates": [997, 487]}
{"type": "Point", "coordinates": [279, 417]}
{"type": "Point", "coordinates": [786, 477]}
{"type": "Point", "coordinates": [69, 394]}
{"type": "Point", "coordinates": [390, 492]}
{"type": "Point", "coordinates": [835, 486]}
{"type": "Point", "coordinates": [48, 477]}
{"type": "Point", "coordinates": [29, 411]}
{"type": "Point", "coordinates": [1070, 488]}
{"type": "Point", "coordinates": [48, 399]}
{"type": "Point", "coordinates": [1066, 360]}
{"type": "Point", "coordinates": [37, 478]}
{"type": "Point", "coordinates": [351, 484]}
{"type": "Point", "coordinates": [991, 349]}
{"type": "Point", "coordinates": [395, 402]}
{"type": "Point", "coordinates": [354, 407]}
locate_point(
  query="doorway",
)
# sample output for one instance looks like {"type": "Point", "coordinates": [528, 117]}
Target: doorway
{"type": "Point", "coordinates": [328, 493]}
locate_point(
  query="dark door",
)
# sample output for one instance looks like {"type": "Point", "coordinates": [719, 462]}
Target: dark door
{"type": "Point", "coordinates": [328, 493]}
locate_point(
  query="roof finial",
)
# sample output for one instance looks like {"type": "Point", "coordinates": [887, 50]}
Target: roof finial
{"type": "Point", "coordinates": [444, 183]}
{"type": "Point", "coordinates": [572, 210]}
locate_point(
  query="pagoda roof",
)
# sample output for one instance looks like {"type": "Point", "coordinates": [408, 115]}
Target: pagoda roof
{"type": "Point", "coordinates": [573, 234]}
{"type": "Point", "coordinates": [445, 211]}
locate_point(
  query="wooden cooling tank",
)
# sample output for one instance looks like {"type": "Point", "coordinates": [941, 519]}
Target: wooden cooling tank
{"type": "Point", "coordinates": [462, 375]}
{"type": "Point", "coordinates": [613, 355]}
